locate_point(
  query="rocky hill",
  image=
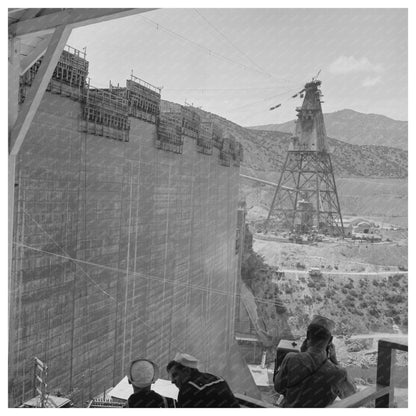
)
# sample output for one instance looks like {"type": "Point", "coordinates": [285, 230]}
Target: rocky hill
{"type": "Point", "coordinates": [357, 304]}
{"type": "Point", "coordinates": [265, 152]}
{"type": "Point", "coordinates": [357, 128]}
{"type": "Point", "coordinates": [369, 305]}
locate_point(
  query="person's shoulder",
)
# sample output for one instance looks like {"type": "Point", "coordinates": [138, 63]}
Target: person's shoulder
{"type": "Point", "coordinates": [295, 356]}
{"type": "Point", "coordinates": [204, 380]}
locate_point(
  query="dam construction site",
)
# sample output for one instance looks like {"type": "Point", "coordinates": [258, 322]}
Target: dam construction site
{"type": "Point", "coordinates": [132, 233]}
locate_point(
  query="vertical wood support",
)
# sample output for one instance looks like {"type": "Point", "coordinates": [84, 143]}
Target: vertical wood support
{"type": "Point", "coordinates": [385, 359]}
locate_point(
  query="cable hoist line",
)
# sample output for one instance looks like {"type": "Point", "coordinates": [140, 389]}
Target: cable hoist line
{"type": "Point", "coordinates": [210, 51]}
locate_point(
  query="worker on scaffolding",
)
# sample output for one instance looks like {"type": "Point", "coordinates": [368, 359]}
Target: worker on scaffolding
{"type": "Point", "coordinates": [142, 374]}
{"type": "Point", "coordinates": [313, 377]}
{"type": "Point", "coordinates": [198, 389]}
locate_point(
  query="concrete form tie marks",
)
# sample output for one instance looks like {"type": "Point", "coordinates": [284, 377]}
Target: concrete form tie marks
{"type": "Point", "coordinates": [142, 275]}
{"type": "Point", "coordinates": [66, 256]}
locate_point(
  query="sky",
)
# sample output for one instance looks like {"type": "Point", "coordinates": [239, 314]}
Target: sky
{"type": "Point", "coordinates": [238, 63]}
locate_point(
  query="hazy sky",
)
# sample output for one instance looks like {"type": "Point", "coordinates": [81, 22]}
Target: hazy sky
{"type": "Point", "coordinates": [239, 62]}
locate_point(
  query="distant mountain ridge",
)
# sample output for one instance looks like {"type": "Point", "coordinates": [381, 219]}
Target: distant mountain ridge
{"type": "Point", "coordinates": [265, 153]}
{"type": "Point", "coordinates": [356, 128]}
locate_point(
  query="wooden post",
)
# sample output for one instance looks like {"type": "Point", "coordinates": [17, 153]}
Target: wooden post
{"type": "Point", "coordinates": [384, 372]}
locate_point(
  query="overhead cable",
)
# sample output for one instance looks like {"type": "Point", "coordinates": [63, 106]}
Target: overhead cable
{"type": "Point", "coordinates": [210, 51]}
{"type": "Point", "coordinates": [235, 46]}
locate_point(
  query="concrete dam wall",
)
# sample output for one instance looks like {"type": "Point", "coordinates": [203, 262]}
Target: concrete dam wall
{"type": "Point", "coordinates": [121, 250]}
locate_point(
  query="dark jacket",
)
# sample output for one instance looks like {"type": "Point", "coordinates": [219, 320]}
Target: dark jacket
{"type": "Point", "coordinates": [206, 390]}
{"type": "Point", "coordinates": [309, 379]}
{"type": "Point", "coordinates": [145, 398]}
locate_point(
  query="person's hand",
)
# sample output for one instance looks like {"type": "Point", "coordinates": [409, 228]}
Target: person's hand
{"type": "Point", "coordinates": [332, 354]}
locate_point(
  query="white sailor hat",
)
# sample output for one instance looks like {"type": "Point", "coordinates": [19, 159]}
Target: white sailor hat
{"type": "Point", "coordinates": [186, 360]}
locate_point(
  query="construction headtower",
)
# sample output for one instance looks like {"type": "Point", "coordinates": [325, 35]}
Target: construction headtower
{"type": "Point", "coordinates": [306, 196]}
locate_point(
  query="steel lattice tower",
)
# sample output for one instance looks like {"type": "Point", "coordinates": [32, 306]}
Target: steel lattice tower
{"type": "Point", "coordinates": [306, 196]}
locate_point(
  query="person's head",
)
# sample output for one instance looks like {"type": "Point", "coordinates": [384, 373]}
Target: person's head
{"type": "Point", "coordinates": [142, 373]}
{"type": "Point", "coordinates": [318, 336]}
{"type": "Point", "coordinates": [181, 369]}
{"type": "Point", "coordinates": [319, 332]}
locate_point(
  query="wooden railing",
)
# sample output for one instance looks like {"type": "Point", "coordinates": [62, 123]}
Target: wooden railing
{"type": "Point", "coordinates": [383, 391]}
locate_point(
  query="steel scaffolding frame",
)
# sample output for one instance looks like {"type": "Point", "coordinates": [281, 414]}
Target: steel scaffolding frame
{"type": "Point", "coordinates": [308, 175]}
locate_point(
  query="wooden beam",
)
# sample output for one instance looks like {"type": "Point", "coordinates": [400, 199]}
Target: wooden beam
{"type": "Point", "coordinates": [30, 14]}
{"type": "Point", "coordinates": [362, 397]}
{"type": "Point", "coordinates": [385, 360]}
{"type": "Point", "coordinates": [35, 94]}
{"type": "Point", "coordinates": [394, 344]}
{"type": "Point", "coordinates": [73, 18]}
{"type": "Point", "coordinates": [27, 61]}
{"type": "Point", "coordinates": [13, 77]}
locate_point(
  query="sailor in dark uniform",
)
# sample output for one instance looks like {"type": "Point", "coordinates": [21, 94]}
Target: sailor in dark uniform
{"type": "Point", "coordinates": [198, 389]}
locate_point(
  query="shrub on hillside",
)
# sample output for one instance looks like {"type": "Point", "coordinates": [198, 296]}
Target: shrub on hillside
{"type": "Point", "coordinates": [350, 298]}
{"type": "Point", "coordinates": [395, 298]}
{"type": "Point", "coordinates": [374, 312]}
{"type": "Point", "coordinates": [289, 290]}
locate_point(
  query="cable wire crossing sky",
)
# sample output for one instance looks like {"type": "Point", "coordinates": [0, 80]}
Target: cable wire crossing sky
{"type": "Point", "coordinates": [239, 63]}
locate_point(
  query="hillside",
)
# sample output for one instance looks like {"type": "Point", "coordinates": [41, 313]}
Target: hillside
{"type": "Point", "coordinates": [357, 128]}
{"type": "Point", "coordinates": [265, 152]}
{"type": "Point", "coordinates": [358, 304]}
{"type": "Point", "coordinates": [363, 306]}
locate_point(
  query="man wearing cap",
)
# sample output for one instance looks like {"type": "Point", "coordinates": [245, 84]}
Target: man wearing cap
{"type": "Point", "coordinates": [198, 389]}
{"type": "Point", "coordinates": [142, 374]}
{"type": "Point", "coordinates": [313, 377]}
